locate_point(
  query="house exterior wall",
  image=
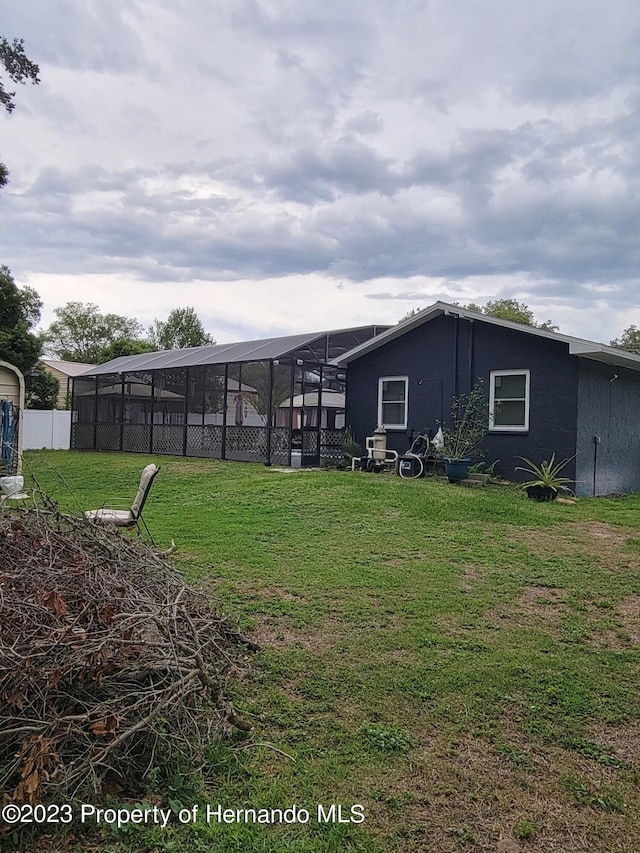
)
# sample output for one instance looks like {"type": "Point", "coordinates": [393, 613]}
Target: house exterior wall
{"type": "Point", "coordinates": [609, 409]}
{"type": "Point", "coordinates": [443, 357]}
{"type": "Point", "coordinates": [64, 389]}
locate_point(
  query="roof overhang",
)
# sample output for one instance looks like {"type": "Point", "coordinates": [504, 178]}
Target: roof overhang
{"type": "Point", "coordinates": [577, 346]}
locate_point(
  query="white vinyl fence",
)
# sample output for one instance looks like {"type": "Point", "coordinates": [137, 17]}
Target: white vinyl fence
{"type": "Point", "coordinates": [46, 429]}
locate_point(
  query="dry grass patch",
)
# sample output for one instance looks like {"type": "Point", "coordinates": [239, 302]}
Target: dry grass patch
{"type": "Point", "coordinates": [471, 577]}
{"type": "Point", "coordinates": [268, 592]}
{"type": "Point", "coordinates": [458, 794]}
{"type": "Point", "coordinates": [629, 612]}
{"type": "Point", "coordinates": [623, 741]}
{"type": "Point", "coordinates": [601, 543]}
{"type": "Point", "coordinates": [538, 608]}
{"type": "Point", "coordinates": [542, 606]}
{"type": "Point", "coordinates": [621, 631]}
{"type": "Point", "coordinates": [269, 631]}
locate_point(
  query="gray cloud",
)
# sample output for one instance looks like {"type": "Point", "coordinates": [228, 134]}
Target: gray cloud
{"type": "Point", "coordinates": [359, 141]}
{"type": "Point", "coordinates": [78, 35]}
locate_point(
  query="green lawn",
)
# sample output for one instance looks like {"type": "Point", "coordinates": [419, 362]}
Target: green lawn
{"type": "Point", "coordinates": [462, 663]}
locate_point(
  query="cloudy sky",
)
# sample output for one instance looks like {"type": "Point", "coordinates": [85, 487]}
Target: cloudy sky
{"type": "Point", "coordinates": [288, 165]}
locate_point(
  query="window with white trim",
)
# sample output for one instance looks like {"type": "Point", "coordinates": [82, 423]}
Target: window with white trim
{"type": "Point", "coordinates": [509, 401]}
{"type": "Point", "coordinates": [392, 402]}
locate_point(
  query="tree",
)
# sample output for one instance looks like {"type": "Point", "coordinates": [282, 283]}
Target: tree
{"type": "Point", "coordinates": [125, 346]}
{"type": "Point", "coordinates": [42, 389]}
{"type": "Point", "coordinates": [503, 309]}
{"type": "Point", "coordinates": [511, 309]}
{"type": "Point", "coordinates": [19, 311]}
{"type": "Point", "coordinates": [82, 333]}
{"type": "Point", "coordinates": [182, 328]}
{"type": "Point", "coordinates": [629, 340]}
{"type": "Point", "coordinates": [409, 314]}
{"type": "Point", "coordinates": [19, 69]}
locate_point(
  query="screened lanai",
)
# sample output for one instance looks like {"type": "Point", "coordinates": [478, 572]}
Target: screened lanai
{"type": "Point", "coordinates": [275, 401]}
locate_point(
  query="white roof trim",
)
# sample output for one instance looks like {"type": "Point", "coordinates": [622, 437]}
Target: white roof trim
{"type": "Point", "coordinates": [577, 346]}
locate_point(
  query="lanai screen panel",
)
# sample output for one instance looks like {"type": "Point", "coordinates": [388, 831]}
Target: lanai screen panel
{"type": "Point", "coordinates": [137, 408]}
{"type": "Point", "coordinates": [83, 413]}
{"type": "Point", "coordinates": [109, 412]}
{"type": "Point", "coordinates": [205, 411]}
{"type": "Point", "coordinates": [169, 410]}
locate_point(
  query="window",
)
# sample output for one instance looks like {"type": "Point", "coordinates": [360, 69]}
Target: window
{"type": "Point", "coordinates": [392, 402]}
{"type": "Point", "coordinates": [509, 400]}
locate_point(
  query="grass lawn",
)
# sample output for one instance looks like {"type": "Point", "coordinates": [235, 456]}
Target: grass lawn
{"type": "Point", "coordinates": [462, 663]}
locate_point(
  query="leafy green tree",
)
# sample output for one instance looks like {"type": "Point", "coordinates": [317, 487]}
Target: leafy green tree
{"type": "Point", "coordinates": [42, 389]}
{"type": "Point", "coordinates": [19, 311]}
{"type": "Point", "coordinates": [503, 309]}
{"type": "Point", "coordinates": [125, 346]}
{"type": "Point", "coordinates": [629, 340]}
{"type": "Point", "coordinates": [82, 333]}
{"type": "Point", "coordinates": [18, 66]}
{"type": "Point", "coordinates": [182, 328]}
{"type": "Point", "coordinates": [19, 69]}
{"type": "Point", "coordinates": [511, 309]}
{"type": "Point", "coordinates": [409, 314]}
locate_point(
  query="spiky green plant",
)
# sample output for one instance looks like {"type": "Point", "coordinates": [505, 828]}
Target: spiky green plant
{"type": "Point", "coordinates": [547, 474]}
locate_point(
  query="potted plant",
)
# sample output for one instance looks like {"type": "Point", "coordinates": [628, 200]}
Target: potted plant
{"type": "Point", "coordinates": [469, 426]}
{"type": "Point", "coordinates": [546, 481]}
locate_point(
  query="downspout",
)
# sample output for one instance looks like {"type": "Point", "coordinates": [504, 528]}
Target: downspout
{"type": "Point", "coordinates": [455, 357]}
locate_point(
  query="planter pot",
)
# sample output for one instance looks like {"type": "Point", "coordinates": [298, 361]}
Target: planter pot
{"type": "Point", "coordinates": [542, 493]}
{"type": "Point", "coordinates": [11, 485]}
{"type": "Point", "coordinates": [456, 469]}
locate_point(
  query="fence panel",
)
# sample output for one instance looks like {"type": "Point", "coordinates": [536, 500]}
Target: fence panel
{"type": "Point", "coordinates": [46, 429]}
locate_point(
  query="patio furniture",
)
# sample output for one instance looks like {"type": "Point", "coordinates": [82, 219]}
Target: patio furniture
{"type": "Point", "coordinates": [118, 512]}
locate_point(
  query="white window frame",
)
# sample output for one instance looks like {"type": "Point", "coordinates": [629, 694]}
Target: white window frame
{"type": "Point", "coordinates": [404, 379]}
{"type": "Point", "coordinates": [493, 427]}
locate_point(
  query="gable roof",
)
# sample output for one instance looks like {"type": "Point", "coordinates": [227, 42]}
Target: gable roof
{"type": "Point", "coordinates": [69, 368]}
{"type": "Point", "coordinates": [577, 346]}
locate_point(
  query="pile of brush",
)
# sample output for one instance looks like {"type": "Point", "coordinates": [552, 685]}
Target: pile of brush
{"type": "Point", "coordinates": [109, 661]}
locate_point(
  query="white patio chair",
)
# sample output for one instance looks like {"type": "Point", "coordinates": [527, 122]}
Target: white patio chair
{"type": "Point", "coordinates": [118, 512]}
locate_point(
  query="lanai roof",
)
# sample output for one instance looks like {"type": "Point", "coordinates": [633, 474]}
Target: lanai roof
{"type": "Point", "coordinates": [338, 342]}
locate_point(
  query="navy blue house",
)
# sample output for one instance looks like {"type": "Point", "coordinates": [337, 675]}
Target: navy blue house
{"type": "Point", "coordinates": [558, 394]}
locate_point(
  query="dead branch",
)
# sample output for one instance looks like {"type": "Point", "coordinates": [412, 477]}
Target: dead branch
{"type": "Point", "coordinates": [107, 659]}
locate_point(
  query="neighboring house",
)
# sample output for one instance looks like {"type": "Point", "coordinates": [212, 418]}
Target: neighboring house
{"type": "Point", "coordinates": [254, 401]}
{"type": "Point", "coordinates": [64, 372]}
{"type": "Point", "coordinates": [558, 394]}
